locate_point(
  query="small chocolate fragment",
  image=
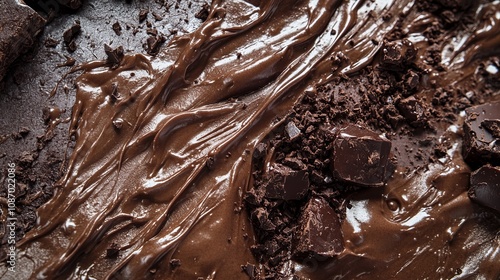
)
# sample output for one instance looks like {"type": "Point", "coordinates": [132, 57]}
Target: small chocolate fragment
{"type": "Point", "coordinates": [174, 263]}
{"type": "Point", "coordinates": [154, 43]}
{"type": "Point", "coordinates": [292, 130]}
{"type": "Point", "coordinates": [203, 13]}
{"type": "Point", "coordinates": [115, 56]}
{"type": "Point", "coordinates": [70, 35]}
{"type": "Point", "coordinates": [319, 232]}
{"type": "Point", "coordinates": [113, 251]}
{"type": "Point", "coordinates": [260, 151]}
{"type": "Point", "coordinates": [412, 110]}
{"type": "Point", "coordinates": [250, 270]}
{"type": "Point", "coordinates": [143, 14]}
{"type": "Point", "coordinates": [397, 54]}
{"type": "Point", "coordinates": [485, 187]}
{"type": "Point", "coordinates": [117, 28]}
{"type": "Point", "coordinates": [481, 142]}
{"type": "Point", "coordinates": [285, 183]}
{"type": "Point", "coordinates": [360, 156]}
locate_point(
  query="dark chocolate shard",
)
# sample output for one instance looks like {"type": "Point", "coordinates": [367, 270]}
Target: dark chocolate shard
{"type": "Point", "coordinates": [250, 270]}
{"type": "Point", "coordinates": [319, 232]}
{"type": "Point", "coordinates": [70, 35]}
{"type": "Point", "coordinates": [115, 56]}
{"type": "Point", "coordinates": [286, 184]}
{"type": "Point", "coordinates": [481, 144]}
{"type": "Point", "coordinates": [292, 131]}
{"type": "Point", "coordinates": [412, 110]}
{"type": "Point", "coordinates": [397, 54]}
{"type": "Point", "coordinates": [360, 156]}
{"type": "Point", "coordinates": [485, 187]}
{"type": "Point", "coordinates": [22, 24]}
{"type": "Point", "coordinates": [154, 43]}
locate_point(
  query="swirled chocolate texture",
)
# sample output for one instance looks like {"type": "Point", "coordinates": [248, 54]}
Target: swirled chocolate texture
{"type": "Point", "coordinates": [164, 146]}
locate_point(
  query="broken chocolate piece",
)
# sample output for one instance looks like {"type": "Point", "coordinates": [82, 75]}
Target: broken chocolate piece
{"type": "Point", "coordinates": [319, 232]}
{"type": "Point", "coordinates": [154, 43]}
{"type": "Point", "coordinates": [117, 28]}
{"type": "Point", "coordinates": [397, 54]}
{"type": "Point", "coordinates": [250, 270]}
{"type": "Point", "coordinates": [287, 184]}
{"type": "Point", "coordinates": [481, 143]}
{"type": "Point", "coordinates": [412, 110]}
{"type": "Point", "coordinates": [485, 187]}
{"type": "Point", "coordinates": [143, 14]}
{"type": "Point", "coordinates": [292, 130]}
{"type": "Point", "coordinates": [70, 35]}
{"type": "Point", "coordinates": [22, 25]}
{"type": "Point", "coordinates": [360, 156]}
{"type": "Point", "coordinates": [115, 56]}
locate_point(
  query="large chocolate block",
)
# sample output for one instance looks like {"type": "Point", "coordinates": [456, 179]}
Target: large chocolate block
{"type": "Point", "coordinates": [481, 135]}
{"type": "Point", "coordinates": [360, 156]}
{"type": "Point", "coordinates": [319, 233]}
{"type": "Point", "coordinates": [19, 25]}
{"type": "Point", "coordinates": [286, 184]}
{"type": "Point", "coordinates": [485, 187]}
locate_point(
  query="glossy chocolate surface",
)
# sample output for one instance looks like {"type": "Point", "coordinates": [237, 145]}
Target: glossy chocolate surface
{"type": "Point", "coordinates": [164, 149]}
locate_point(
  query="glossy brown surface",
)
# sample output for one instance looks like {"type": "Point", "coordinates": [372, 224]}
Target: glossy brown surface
{"type": "Point", "coordinates": [148, 130]}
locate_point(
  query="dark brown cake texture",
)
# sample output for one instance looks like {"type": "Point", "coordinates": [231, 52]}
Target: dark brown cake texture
{"type": "Point", "coordinates": [329, 149]}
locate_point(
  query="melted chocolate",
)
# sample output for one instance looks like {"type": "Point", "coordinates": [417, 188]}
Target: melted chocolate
{"type": "Point", "coordinates": [137, 196]}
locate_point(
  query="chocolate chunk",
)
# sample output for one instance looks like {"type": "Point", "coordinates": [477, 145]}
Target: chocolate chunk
{"type": "Point", "coordinates": [250, 270]}
{"type": "Point", "coordinates": [70, 35]}
{"type": "Point", "coordinates": [174, 263]}
{"type": "Point", "coordinates": [117, 28]}
{"type": "Point", "coordinates": [113, 251]}
{"type": "Point", "coordinates": [360, 156]}
{"type": "Point", "coordinates": [412, 110]}
{"type": "Point", "coordinates": [319, 232]}
{"type": "Point", "coordinates": [260, 151]}
{"type": "Point", "coordinates": [143, 14]}
{"type": "Point", "coordinates": [485, 187]}
{"type": "Point", "coordinates": [203, 13]}
{"type": "Point", "coordinates": [481, 143]}
{"type": "Point", "coordinates": [115, 56]}
{"type": "Point", "coordinates": [157, 16]}
{"type": "Point", "coordinates": [397, 54]}
{"type": "Point", "coordinates": [154, 43]}
{"type": "Point", "coordinates": [260, 217]}
{"type": "Point", "coordinates": [22, 25]}
{"type": "Point", "coordinates": [285, 183]}
{"type": "Point", "coordinates": [292, 130]}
